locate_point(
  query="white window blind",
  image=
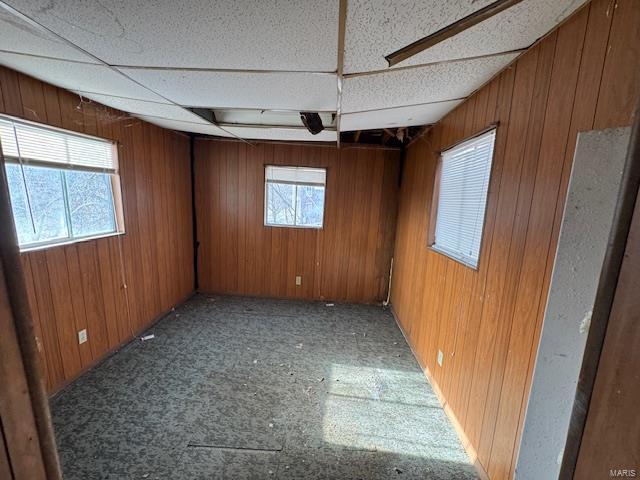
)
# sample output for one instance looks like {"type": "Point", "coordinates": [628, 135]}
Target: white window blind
{"type": "Point", "coordinates": [462, 198]}
{"type": "Point", "coordinates": [46, 146]}
{"type": "Point", "coordinates": [305, 175]}
{"type": "Point", "coordinates": [294, 196]}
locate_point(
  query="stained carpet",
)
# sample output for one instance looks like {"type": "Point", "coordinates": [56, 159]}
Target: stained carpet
{"type": "Point", "coordinates": [246, 388]}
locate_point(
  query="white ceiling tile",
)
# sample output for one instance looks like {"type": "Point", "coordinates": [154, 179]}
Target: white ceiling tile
{"type": "Point", "coordinates": [378, 28]}
{"type": "Point", "coordinates": [291, 134]}
{"type": "Point", "coordinates": [207, 129]}
{"type": "Point", "coordinates": [230, 34]}
{"type": "Point", "coordinates": [375, 28]}
{"type": "Point", "coordinates": [78, 76]}
{"type": "Point", "coordinates": [247, 133]}
{"type": "Point", "coordinates": [432, 83]}
{"type": "Point", "coordinates": [141, 107]}
{"type": "Point", "coordinates": [194, 88]}
{"type": "Point", "coordinates": [21, 36]}
{"type": "Point", "coordinates": [397, 117]}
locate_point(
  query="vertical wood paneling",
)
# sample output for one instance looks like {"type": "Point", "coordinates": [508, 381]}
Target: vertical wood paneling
{"type": "Point", "coordinates": [612, 428]}
{"type": "Point", "coordinates": [539, 242]}
{"type": "Point", "coordinates": [114, 286]}
{"type": "Point", "coordinates": [76, 298]}
{"type": "Point", "coordinates": [19, 438]}
{"type": "Point", "coordinates": [347, 260]}
{"type": "Point", "coordinates": [42, 301]}
{"type": "Point", "coordinates": [584, 75]}
{"type": "Point", "coordinates": [92, 294]}
{"type": "Point", "coordinates": [35, 316]}
{"type": "Point", "coordinates": [5, 468]}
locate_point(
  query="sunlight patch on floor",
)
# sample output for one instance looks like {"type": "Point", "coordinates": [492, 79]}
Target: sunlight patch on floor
{"type": "Point", "coordinates": [387, 411]}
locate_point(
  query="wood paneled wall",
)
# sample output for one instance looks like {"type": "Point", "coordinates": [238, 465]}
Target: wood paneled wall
{"type": "Point", "coordinates": [348, 259]}
{"type": "Point", "coordinates": [116, 286]}
{"type": "Point", "coordinates": [612, 429]}
{"type": "Point", "coordinates": [487, 322]}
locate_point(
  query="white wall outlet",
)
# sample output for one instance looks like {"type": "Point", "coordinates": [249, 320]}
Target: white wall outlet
{"type": "Point", "coordinates": [298, 280]}
{"type": "Point", "coordinates": [82, 336]}
{"type": "Point", "coordinates": [440, 357]}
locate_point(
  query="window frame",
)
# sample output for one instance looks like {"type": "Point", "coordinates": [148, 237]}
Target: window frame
{"type": "Point", "coordinates": [114, 185]}
{"type": "Point", "coordinates": [433, 211]}
{"type": "Point", "coordinates": [295, 211]}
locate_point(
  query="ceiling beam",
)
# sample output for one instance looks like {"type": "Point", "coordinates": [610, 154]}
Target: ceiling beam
{"type": "Point", "coordinates": [449, 31]}
{"type": "Point", "coordinates": [342, 27]}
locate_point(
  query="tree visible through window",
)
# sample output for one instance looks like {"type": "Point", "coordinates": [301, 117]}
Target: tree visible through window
{"type": "Point", "coordinates": [294, 196]}
{"type": "Point", "coordinates": [60, 184]}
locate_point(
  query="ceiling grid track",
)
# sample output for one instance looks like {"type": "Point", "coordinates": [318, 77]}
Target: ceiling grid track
{"type": "Point", "coordinates": [100, 61]}
{"type": "Point", "coordinates": [141, 60]}
{"type": "Point", "coordinates": [341, 39]}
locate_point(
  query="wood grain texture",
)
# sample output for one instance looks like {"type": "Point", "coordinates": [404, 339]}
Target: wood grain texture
{"type": "Point", "coordinates": [487, 322]}
{"type": "Point", "coordinates": [347, 260]}
{"type": "Point", "coordinates": [17, 423]}
{"type": "Point", "coordinates": [114, 286]}
{"type": "Point", "coordinates": [5, 467]}
{"type": "Point", "coordinates": [612, 430]}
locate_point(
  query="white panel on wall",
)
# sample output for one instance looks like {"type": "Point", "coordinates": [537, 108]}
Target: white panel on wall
{"type": "Point", "coordinates": [297, 91]}
{"type": "Point", "coordinates": [432, 83]}
{"type": "Point", "coordinates": [378, 28]}
{"type": "Point", "coordinates": [588, 219]}
{"type": "Point", "coordinates": [21, 36]}
{"type": "Point", "coordinates": [141, 107]}
{"type": "Point", "coordinates": [397, 117]}
{"type": "Point", "coordinates": [230, 34]}
{"type": "Point", "coordinates": [78, 76]}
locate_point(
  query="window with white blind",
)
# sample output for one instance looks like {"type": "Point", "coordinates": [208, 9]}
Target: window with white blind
{"type": "Point", "coordinates": [461, 198]}
{"type": "Point", "coordinates": [63, 185]}
{"type": "Point", "coordinates": [294, 196]}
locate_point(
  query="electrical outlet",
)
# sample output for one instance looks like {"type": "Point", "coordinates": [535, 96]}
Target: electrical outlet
{"type": "Point", "coordinates": [298, 280]}
{"type": "Point", "coordinates": [440, 357]}
{"type": "Point", "coordinates": [82, 336]}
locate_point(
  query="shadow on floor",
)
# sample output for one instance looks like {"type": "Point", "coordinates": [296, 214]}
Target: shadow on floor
{"type": "Point", "coordinates": [245, 388]}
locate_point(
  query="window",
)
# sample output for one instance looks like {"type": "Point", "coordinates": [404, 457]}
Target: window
{"type": "Point", "coordinates": [62, 184]}
{"type": "Point", "coordinates": [460, 198]}
{"type": "Point", "coordinates": [294, 196]}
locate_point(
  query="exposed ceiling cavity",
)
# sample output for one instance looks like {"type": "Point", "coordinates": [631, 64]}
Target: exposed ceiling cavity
{"type": "Point", "coordinates": [273, 118]}
{"type": "Point", "coordinates": [156, 59]}
{"type": "Point", "coordinates": [414, 115]}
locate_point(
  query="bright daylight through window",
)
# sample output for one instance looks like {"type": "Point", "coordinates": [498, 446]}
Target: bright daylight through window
{"type": "Point", "coordinates": [294, 196]}
{"type": "Point", "coordinates": [462, 198]}
{"type": "Point", "coordinates": [62, 184]}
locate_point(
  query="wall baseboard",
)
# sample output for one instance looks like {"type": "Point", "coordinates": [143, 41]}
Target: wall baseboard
{"type": "Point", "coordinates": [118, 347]}
{"type": "Point", "coordinates": [466, 444]}
{"type": "Point", "coordinates": [377, 302]}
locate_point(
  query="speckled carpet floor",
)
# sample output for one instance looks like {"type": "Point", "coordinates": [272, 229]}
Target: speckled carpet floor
{"type": "Point", "coordinates": [245, 388]}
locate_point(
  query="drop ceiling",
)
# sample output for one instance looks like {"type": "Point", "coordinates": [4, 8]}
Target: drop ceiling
{"type": "Point", "coordinates": [156, 59]}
